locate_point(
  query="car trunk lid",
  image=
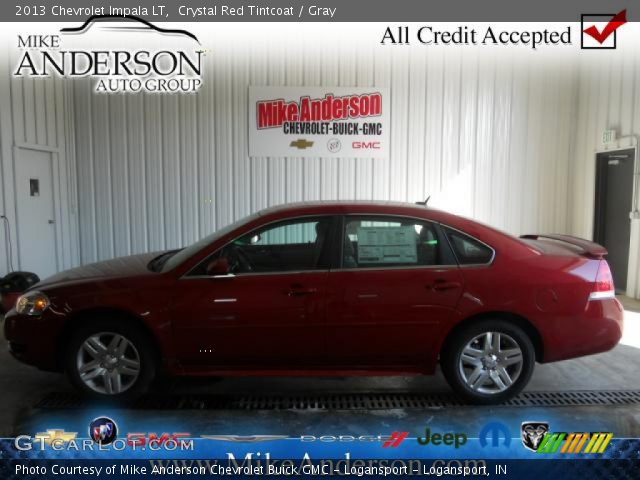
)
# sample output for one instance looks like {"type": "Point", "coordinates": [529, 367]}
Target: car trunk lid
{"type": "Point", "coordinates": [568, 245]}
{"type": "Point", "coordinates": [558, 244]}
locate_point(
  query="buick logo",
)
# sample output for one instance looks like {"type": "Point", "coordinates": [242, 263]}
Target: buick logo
{"type": "Point", "coordinates": [334, 145]}
{"type": "Point", "coordinates": [533, 433]}
{"type": "Point", "coordinates": [103, 430]}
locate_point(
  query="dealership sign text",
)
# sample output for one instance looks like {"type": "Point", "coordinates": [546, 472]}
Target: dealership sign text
{"type": "Point", "coordinates": [318, 122]}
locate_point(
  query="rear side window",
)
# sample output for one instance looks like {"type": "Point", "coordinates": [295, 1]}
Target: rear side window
{"type": "Point", "coordinates": [376, 241]}
{"type": "Point", "coordinates": [468, 250]}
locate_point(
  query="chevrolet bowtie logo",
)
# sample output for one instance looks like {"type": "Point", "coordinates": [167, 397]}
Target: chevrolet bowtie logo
{"type": "Point", "coordinates": [50, 435]}
{"type": "Point", "coordinates": [301, 144]}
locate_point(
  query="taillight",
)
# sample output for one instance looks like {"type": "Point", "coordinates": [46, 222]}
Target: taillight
{"type": "Point", "coordinates": [603, 286]}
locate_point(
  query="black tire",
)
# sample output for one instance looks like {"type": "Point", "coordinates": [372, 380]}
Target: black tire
{"type": "Point", "coordinates": [453, 372]}
{"type": "Point", "coordinates": [140, 342]}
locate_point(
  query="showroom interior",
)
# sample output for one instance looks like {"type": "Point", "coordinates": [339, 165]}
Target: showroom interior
{"type": "Point", "coordinates": [522, 141]}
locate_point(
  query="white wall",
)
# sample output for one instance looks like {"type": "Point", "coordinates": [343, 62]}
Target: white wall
{"type": "Point", "coordinates": [609, 98]}
{"type": "Point", "coordinates": [484, 137]}
{"type": "Point", "coordinates": [32, 117]}
{"type": "Point", "coordinates": [5, 151]}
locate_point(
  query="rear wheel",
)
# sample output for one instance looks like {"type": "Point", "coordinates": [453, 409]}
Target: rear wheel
{"type": "Point", "coordinates": [488, 362]}
{"type": "Point", "coordinates": [110, 360]}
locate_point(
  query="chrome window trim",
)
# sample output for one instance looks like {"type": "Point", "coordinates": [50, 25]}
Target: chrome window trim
{"type": "Point", "coordinates": [396, 267]}
{"type": "Point", "coordinates": [331, 270]}
{"type": "Point", "coordinates": [253, 274]}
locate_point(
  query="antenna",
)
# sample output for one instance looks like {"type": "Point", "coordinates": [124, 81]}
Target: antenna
{"type": "Point", "coordinates": [425, 201]}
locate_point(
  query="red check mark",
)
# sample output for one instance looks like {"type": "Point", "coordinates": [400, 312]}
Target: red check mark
{"type": "Point", "coordinates": [616, 22]}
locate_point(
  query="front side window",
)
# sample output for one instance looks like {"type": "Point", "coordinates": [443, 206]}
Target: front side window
{"type": "Point", "coordinates": [374, 242]}
{"type": "Point", "coordinates": [180, 256]}
{"type": "Point", "coordinates": [293, 245]}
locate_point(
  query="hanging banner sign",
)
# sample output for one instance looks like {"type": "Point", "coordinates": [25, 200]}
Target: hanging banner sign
{"type": "Point", "coordinates": [340, 122]}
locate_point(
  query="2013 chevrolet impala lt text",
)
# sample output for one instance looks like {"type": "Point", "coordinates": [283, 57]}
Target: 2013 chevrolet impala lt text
{"type": "Point", "coordinates": [326, 288]}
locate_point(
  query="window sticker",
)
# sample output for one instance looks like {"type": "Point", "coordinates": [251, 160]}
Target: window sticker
{"type": "Point", "coordinates": [387, 245]}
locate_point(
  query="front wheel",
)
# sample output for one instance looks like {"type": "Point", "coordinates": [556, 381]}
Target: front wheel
{"type": "Point", "coordinates": [110, 360]}
{"type": "Point", "coordinates": [488, 362]}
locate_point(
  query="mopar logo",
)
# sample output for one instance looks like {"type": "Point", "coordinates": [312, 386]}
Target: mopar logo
{"type": "Point", "coordinates": [498, 433]}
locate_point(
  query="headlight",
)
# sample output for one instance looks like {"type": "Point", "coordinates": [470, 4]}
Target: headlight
{"type": "Point", "coordinates": [32, 303]}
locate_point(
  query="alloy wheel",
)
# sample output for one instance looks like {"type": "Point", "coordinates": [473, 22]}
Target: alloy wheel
{"type": "Point", "coordinates": [491, 363]}
{"type": "Point", "coordinates": [108, 363]}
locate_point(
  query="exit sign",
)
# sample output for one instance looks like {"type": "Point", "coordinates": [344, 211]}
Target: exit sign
{"type": "Point", "coordinates": [608, 136]}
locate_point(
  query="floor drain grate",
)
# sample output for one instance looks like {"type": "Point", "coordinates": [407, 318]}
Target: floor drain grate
{"type": "Point", "coordinates": [371, 401]}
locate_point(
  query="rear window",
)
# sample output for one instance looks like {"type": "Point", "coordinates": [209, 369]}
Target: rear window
{"type": "Point", "coordinates": [468, 250]}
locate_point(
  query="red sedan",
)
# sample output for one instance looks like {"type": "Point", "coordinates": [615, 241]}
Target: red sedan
{"type": "Point", "coordinates": [327, 288]}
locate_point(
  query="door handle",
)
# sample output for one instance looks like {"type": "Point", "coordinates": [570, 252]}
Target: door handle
{"type": "Point", "coordinates": [440, 285]}
{"type": "Point", "coordinates": [299, 291]}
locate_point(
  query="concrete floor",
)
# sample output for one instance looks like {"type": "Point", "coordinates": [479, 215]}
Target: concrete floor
{"type": "Point", "coordinates": [22, 386]}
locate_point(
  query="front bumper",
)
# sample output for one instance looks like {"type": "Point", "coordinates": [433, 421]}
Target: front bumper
{"type": "Point", "coordinates": [32, 340]}
{"type": "Point", "coordinates": [8, 300]}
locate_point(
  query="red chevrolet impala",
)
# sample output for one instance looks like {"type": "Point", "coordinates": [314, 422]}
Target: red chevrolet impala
{"type": "Point", "coordinates": [327, 288]}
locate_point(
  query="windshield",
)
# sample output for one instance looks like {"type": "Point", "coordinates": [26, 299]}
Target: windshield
{"type": "Point", "coordinates": [181, 255]}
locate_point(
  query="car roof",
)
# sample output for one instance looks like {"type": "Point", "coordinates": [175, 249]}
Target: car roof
{"type": "Point", "coordinates": [338, 206]}
{"type": "Point", "coordinates": [364, 207]}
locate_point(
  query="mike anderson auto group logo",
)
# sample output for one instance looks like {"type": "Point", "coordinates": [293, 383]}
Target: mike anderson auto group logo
{"type": "Point", "coordinates": [101, 48]}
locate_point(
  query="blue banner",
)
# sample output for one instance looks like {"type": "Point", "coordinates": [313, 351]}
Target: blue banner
{"type": "Point", "coordinates": [118, 444]}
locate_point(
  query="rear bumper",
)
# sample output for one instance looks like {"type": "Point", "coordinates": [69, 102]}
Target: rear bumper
{"type": "Point", "coordinates": [597, 329]}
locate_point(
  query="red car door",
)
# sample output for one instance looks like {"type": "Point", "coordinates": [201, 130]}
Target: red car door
{"type": "Point", "coordinates": [268, 312]}
{"type": "Point", "coordinates": [395, 289]}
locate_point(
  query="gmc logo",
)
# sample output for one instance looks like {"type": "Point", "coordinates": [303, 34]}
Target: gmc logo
{"type": "Point", "coordinates": [155, 440]}
{"type": "Point", "coordinates": [365, 145]}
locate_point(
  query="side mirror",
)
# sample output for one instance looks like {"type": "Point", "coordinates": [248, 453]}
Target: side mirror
{"type": "Point", "coordinates": [219, 266]}
{"type": "Point", "coordinates": [255, 239]}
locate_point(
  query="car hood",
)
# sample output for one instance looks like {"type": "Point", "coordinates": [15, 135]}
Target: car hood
{"type": "Point", "coordinates": [117, 267]}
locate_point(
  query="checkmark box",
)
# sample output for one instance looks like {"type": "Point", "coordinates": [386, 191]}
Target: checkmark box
{"type": "Point", "coordinates": [598, 30]}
